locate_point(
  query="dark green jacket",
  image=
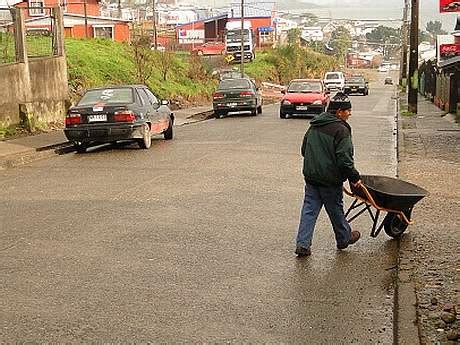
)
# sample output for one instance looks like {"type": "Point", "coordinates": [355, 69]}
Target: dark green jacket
{"type": "Point", "coordinates": [328, 152]}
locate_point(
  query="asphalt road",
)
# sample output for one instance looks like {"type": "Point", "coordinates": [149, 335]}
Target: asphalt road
{"type": "Point", "coordinates": [193, 240]}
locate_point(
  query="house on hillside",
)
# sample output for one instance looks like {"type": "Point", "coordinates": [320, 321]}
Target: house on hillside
{"type": "Point", "coordinates": [81, 19]}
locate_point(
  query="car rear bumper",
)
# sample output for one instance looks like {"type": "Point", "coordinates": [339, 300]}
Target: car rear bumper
{"type": "Point", "coordinates": [103, 133]}
{"type": "Point", "coordinates": [234, 106]}
{"type": "Point", "coordinates": [312, 109]}
{"type": "Point", "coordinates": [349, 90]}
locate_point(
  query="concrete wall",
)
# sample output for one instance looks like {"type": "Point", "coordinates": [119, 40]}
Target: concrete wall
{"type": "Point", "coordinates": [49, 88]}
{"type": "Point", "coordinates": [13, 86]}
{"type": "Point", "coordinates": [38, 90]}
{"type": "Point", "coordinates": [34, 92]}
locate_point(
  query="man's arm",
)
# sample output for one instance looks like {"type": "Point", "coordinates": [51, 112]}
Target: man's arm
{"type": "Point", "coordinates": [304, 144]}
{"type": "Point", "coordinates": [345, 162]}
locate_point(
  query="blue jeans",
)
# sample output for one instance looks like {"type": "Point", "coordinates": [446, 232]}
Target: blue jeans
{"type": "Point", "coordinates": [315, 198]}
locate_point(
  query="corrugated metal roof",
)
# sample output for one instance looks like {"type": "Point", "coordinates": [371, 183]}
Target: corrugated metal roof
{"type": "Point", "coordinates": [252, 8]}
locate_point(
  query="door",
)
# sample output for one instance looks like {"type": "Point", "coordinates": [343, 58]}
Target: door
{"type": "Point", "coordinates": [159, 118]}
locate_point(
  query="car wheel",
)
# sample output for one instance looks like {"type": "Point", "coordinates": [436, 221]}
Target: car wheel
{"type": "Point", "coordinates": [80, 147]}
{"type": "Point", "coordinates": [259, 109]}
{"type": "Point", "coordinates": [254, 111]}
{"type": "Point", "coordinates": [168, 134]}
{"type": "Point", "coordinates": [146, 140]}
{"type": "Point", "coordinates": [282, 115]}
{"type": "Point", "coordinates": [217, 114]}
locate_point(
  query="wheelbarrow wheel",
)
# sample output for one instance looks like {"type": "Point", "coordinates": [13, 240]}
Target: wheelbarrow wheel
{"type": "Point", "coordinates": [393, 225]}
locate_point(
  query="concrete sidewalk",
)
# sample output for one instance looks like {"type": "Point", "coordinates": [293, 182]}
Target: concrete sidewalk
{"type": "Point", "coordinates": [26, 149]}
{"type": "Point", "coordinates": [428, 305]}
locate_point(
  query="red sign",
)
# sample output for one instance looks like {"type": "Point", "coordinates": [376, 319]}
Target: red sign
{"type": "Point", "coordinates": [447, 51]}
{"type": "Point", "coordinates": [449, 6]}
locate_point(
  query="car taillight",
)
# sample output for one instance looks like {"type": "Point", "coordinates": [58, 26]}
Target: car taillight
{"type": "Point", "coordinates": [124, 116]}
{"type": "Point", "coordinates": [246, 94]}
{"type": "Point", "coordinates": [218, 95]}
{"type": "Point", "coordinates": [72, 119]}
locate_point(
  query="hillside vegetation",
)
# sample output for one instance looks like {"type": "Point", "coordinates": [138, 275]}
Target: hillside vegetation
{"type": "Point", "coordinates": [289, 62]}
{"type": "Point", "coordinates": [99, 62]}
{"type": "Point", "coordinates": [178, 76]}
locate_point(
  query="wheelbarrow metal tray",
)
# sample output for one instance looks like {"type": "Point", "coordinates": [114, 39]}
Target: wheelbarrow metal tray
{"type": "Point", "coordinates": [390, 193]}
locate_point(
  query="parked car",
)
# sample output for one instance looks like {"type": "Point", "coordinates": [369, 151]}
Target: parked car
{"type": "Point", "coordinates": [209, 48]}
{"type": "Point", "coordinates": [110, 114]}
{"type": "Point", "coordinates": [356, 84]}
{"type": "Point", "coordinates": [237, 95]}
{"type": "Point", "coordinates": [383, 68]}
{"type": "Point", "coordinates": [388, 81]}
{"type": "Point", "coordinates": [334, 81]}
{"type": "Point", "coordinates": [304, 97]}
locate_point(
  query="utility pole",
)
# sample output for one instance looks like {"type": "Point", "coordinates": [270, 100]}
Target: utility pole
{"type": "Point", "coordinates": [413, 59]}
{"type": "Point", "coordinates": [403, 64]}
{"type": "Point", "coordinates": [154, 23]}
{"type": "Point", "coordinates": [119, 8]}
{"type": "Point", "coordinates": [242, 39]}
{"type": "Point", "coordinates": [86, 18]}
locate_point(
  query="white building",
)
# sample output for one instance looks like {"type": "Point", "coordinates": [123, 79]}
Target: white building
{"type": "Point", "coordinates": [312, 33]}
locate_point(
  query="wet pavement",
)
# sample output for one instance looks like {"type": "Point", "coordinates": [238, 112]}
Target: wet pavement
{"type": "Point", "coordinates": [192, 240]}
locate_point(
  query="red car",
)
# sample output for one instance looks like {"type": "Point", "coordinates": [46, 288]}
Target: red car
{"type": "Point", "coordinates": [209, 48]}
{"type": "Point", "coordinates": [304, 97]}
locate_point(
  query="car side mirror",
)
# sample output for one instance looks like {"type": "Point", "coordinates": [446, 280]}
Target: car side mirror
{"type": "Point", "coordinates": [283, 92]}
{"type": "Point", "coordinates": [164, 102]}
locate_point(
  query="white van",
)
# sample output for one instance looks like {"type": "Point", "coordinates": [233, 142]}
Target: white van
{"type": "Point", "coordinates": [334, 80]}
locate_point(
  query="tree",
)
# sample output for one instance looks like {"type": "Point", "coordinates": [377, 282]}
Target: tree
{"type": "Point", "coordinates": [340, 42]}
{"type": "Point", "coordinates": [383, 33]}
{"type": "Point", "coordinates": [386, 37]}
{"type": "Point", "coordinates": [424, 36]}
{"type": "Point", "coordinates": [164, 61]}
{"type": "Point", "coordinates": [435, 28]}
{"type": "Point", "coordinates": [293, 36]}
{"type": "Point", "coordinates": [142, 55]}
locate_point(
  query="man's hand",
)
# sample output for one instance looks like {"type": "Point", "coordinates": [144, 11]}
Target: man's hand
{"type": "Point", "coordinates": [357, 184]}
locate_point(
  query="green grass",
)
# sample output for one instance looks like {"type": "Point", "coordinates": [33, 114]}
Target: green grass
{"type": "Point", "coordinates": [99, 62]}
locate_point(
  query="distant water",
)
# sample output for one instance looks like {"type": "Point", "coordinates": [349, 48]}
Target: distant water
{"type": "Point", "coordinates": [363, 13]}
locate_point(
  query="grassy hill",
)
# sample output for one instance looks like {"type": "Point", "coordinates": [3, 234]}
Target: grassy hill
{"type": "Point", "coordinates": [98, 62]}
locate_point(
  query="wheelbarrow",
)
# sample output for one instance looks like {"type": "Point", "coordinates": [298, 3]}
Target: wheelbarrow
{"type": "Point", "coordinates": [387, 194]}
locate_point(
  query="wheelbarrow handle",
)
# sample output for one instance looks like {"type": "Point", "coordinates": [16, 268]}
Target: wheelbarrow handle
{"type": "Point", "coordinates": [369, 197]}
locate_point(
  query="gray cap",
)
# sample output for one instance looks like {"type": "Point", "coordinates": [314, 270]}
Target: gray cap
{"type": "Point", "coordinates": [339, 101]}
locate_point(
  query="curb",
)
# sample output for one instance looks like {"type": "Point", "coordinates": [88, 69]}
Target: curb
{"type": "Point", "coordinates": [405, 318]}
{"type": "Point", "coordinates": [32, 155]}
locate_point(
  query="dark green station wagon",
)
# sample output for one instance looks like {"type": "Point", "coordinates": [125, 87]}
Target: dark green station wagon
{"type": "Point", "coordinates": [237, 95]}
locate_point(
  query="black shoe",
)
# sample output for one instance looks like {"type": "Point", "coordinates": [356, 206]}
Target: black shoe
{"type": "Point", "coordinates": [301, 251]}
{"type": "Point", "coordinates": [355, 236]}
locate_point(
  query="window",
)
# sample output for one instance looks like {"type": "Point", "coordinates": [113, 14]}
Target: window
{"type": "Point", "coordinates": [103, 31]}
{"type": "Point", "coordinates": [145, 100]}
{"type": "Point", "coordinates": [107, 96]}
{"type": "Point", "coordinates": [151, 97]}
{"type": "Point", "coordinates": [37, 8]}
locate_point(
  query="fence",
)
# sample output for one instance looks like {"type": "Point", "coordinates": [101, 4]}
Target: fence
{"type": "Point", "coordinates": [39, 33]}
{"type": "Point", "coordinates": [7, 41]}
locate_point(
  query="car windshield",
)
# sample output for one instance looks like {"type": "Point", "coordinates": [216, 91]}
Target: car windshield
{"type": "Point", "coordinates": [356, 80]}
{"type": "Point", "coordinates": [304, 87]}
{"type": "Point", "coordinates": [333, 76]}
{"type": "Point", "coordinates": [107, 96]}
{"type": "Point", "coordinates": [234, 84]}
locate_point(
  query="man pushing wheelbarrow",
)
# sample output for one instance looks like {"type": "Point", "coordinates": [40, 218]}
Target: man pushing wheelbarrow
{"type": "Point", "coordinates": [328, 162]}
